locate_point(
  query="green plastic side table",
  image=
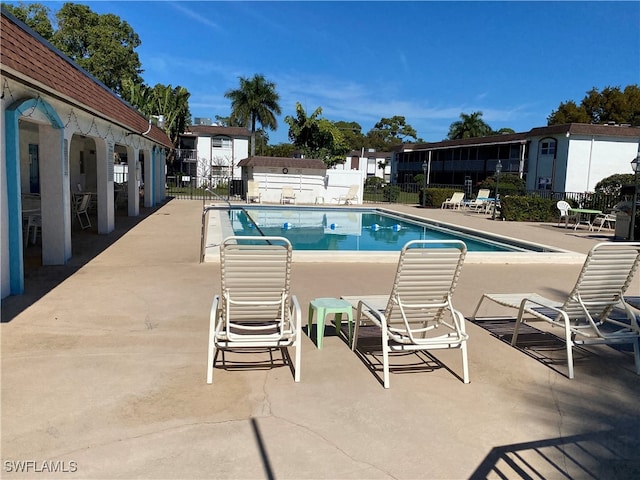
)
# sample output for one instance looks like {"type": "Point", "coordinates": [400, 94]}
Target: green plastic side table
{"type": "Point", "coordinates": [328, 306]}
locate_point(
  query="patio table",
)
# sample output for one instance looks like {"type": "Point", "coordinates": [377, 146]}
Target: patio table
{"type": "Point", "coordinates": [585, 215]}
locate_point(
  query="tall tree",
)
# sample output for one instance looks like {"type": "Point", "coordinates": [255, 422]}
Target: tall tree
{"type": "Point", "coordinates": [304, 129]}
{"type": "Point", "coordinates": [173, 105]}
{"type": "Point", "coordinates": [568, 112]}
{"type": "Point", "coordinates": [255, 101]}
{"type": "Point", "coordinates": [612, 104]}
{"type": "Point", "coordinates": [104, 45]}
{"type": "Point", "coordinates": [389, 132]}
{"type": "Point", "coordinates": [137, 94]}
{"type": "Point", "coordinates": [317, 137]}
{"type": "Point", "coordinates": [35, 15]}
{"type": "Point", "coordinates": [352, 133]}
{"type": "Point", "coordinates": [469, 126]}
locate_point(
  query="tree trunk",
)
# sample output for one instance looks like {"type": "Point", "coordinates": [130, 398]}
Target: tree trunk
{"type": "Point", "coordinates": [253, 135]}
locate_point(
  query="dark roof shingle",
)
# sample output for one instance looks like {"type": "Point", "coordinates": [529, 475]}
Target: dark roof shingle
{"type": "Point", "coordinates": [25, 54]}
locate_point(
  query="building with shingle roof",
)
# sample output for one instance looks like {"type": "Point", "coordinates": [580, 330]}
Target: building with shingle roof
{"type": "Point", "coordinates": [571, 157]}
{"type": "Point", "coordinates": [63, 133]}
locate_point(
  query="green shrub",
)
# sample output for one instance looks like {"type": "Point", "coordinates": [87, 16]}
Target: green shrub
{"type": "Point", "coordinates": [433, 197]}
{"type": "Point", "coordinates": [391, 193]}
{"type": "Point", "coordinates": [374, 182]}
{"type": "Point", "coordinates": [510, 184]}
{"type": "Point", "coordinates": [520, 208]}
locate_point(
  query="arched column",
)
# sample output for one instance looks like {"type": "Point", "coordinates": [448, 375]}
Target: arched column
{"type": "Point", "coordinates": [104, 186]}
{"type": "Point", "coordinates": [55, 194]}
{"type": "Point", "coordinates": [133, 176]}
{"type": "Point", "coordinates": [149, 180]}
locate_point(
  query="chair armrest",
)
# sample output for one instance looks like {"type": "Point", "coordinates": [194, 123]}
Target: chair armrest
{"type": "Point", "coordinates": [296, 314]}
{"type": "Point", "coordinates": [213, 313]}
{"type": "Point", "coordinates": [371, 312]}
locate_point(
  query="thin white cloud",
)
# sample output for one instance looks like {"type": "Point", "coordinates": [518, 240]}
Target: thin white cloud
{"type": "Point", "coordinates": [180, 6]}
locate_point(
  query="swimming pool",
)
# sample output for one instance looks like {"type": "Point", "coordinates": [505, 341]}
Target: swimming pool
{"type": "Point", "coordinates": [351, 234]}
{"type": "Point", "coordinates": [355, 229]}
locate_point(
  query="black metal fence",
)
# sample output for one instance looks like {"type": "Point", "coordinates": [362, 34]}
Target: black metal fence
{"type": "Point", "coordinates": [406, 193]}
{"type": "Point", "coordinates": [191, 188]}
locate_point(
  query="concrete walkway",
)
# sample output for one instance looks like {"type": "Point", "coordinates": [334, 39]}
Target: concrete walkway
{"type": "Point", "coordinates": [104, 368]}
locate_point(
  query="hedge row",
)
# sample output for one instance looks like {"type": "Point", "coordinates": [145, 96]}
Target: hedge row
{"type": "Point", "coordinates": [513, 207]}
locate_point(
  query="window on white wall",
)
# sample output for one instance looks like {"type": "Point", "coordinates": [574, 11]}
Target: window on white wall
{"type": "Point", "coordinates": [371, 166]}
{"type": "Point", "coordinates": [221, 142]}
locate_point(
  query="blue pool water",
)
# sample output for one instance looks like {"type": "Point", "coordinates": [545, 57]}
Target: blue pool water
{"type": "Point", "coordinates": [352, 229]}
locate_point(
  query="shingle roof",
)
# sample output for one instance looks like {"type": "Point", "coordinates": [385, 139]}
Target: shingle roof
{"type": "Point", "coordinates": [587, 129]}
{"type": "Point", "coordinates": [358, 153]}
{"type": "Point", "coordinates": [214, 130]}
{"type": "Point", "coordinates": [563, 129]}
{"type": "Point", "coordinates": [29, 59]}
{"type": "Point", "coordinates": [282, 162]}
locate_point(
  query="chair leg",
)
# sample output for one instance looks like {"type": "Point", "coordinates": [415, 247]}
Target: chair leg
{"type": "Point", "coordinates": [210, 358]}
{"type": "Point", "coordinates": [569, 344]}
{"type": "Point", "coordinates": [514, 339]}
{"type": "Point", "coordinates": [465, 362]}
{"type": "Point", "coordinates": [385, 357]}
{"type": "Point", "coordinates": [211, 348]}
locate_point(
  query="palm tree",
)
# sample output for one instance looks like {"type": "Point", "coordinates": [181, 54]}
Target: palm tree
{"type": "Point", "coordinates": [304, 129]}
{"type": "Point", "coordinates": [256, 101]}
{"type": "Point", "coordinates": [469, 126]}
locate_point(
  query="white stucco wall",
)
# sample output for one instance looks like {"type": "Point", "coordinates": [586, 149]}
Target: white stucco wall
{"type": "Point", "coordinates": [221, 156]}
{"type": "Point", "coordinates": [590, 159]}
{"type": "Point", "coordinates": [581, 161]}
{"type": "Point", "coordinates": [309, 186]}
{"type": "Point", "coordinates": [368, 166]}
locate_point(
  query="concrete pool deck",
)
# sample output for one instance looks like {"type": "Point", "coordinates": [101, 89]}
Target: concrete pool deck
{"type": "Point", "coordinates": [104, 365]}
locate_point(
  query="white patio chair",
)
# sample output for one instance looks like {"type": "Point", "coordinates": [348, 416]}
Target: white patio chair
{"type": "Point", "coordinates": [81, 208]}
{"type": "Point", "coordinates": [287, 195]}
{"type": "Point", "coordinates": [255, 308]}
{"type": "Point", "coordinates": [34, 223]}
{"type": "Point", "coordinates": [253, 192]}
{"type": "Point", "coordinates": [350, 197]}
{"type": "Point", "coordinates": [456, 201]}
{"type": "Point", "coordinates": [585, 315]}
{"type": "Point", "coordinates": [564, 207]}
{"type": "Point", "coordinates": [418, 314]}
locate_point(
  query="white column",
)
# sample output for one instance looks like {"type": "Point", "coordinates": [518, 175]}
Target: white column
{"type": "Point", "coordinates": [104, 187]}
{"type": "Point", "coordinates": [149, 181]}
{"type": "Point", "coordinates": [55, 196]}
{"type": "Point", "coordinates": [133, 178]}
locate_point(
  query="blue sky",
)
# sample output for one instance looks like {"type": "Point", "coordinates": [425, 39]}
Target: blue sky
{"type": "Point", "coordinates": [361, 61]}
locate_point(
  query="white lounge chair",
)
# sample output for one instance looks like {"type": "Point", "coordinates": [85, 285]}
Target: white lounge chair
{"type": "Point", "coordinates": [456, 201]}
{"type": "Point", "coordinates": [253, 192]}
{"type": "Point", "coordinates": [418, 314]}
{"type": "Point", "coordinates": [608, 219]}
{"type": "Point", "coordinates": [287, 195]}
{"type": "Point", "coordinates": [350, 197]}
{"type": "Point", "coordinates": [255, 308]}
{"type": "Point", "coordinates": [585, 316]}
{"type": "Point", "coordinates": [481, 202]}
